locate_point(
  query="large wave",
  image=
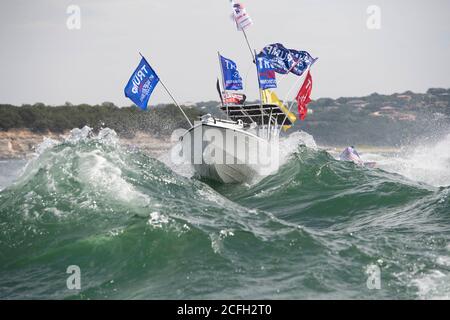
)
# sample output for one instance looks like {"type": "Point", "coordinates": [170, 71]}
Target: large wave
{"type": "Point", "coordinates": [137, 229]}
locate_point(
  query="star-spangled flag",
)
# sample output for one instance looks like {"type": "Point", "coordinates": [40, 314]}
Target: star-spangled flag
{"type": "Point", "coordinates": [242, 19]}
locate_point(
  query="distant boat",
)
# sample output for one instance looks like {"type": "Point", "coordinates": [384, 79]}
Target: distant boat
{"type": "Point", "coordinates": [351, 155]}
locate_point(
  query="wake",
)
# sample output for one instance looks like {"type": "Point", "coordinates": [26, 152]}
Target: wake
{"type": "Point", "coordinates": [427, 163]}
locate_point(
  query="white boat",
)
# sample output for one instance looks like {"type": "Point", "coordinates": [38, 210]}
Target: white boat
{"type": "Point", "coordinates": [351, 155]}
{"type": "Point", "coordinates": [245, 144]}
{"type": "Point", "coordinates": [236, 149]}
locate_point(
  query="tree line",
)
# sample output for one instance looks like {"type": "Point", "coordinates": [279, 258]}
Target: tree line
{"type": "Point", "coordinates": [126, 121]}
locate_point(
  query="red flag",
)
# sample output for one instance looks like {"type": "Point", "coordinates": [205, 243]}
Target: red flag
{"type": "Point", "coordinates": [303, 96]}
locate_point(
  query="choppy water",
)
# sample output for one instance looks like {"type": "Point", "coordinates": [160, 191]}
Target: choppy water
{"type": "Point", "coordinates": [138, 229]}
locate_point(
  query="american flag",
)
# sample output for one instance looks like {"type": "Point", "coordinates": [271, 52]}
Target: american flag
{"type": "Point", "coordinates": [242, 19]}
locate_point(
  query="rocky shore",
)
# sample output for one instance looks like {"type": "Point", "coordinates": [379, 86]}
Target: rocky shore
{"type": "Point", "coordinates": [21, 143]}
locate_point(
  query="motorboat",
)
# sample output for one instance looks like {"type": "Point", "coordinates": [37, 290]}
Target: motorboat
{"type": "Point", "coordinates": [236, 149]}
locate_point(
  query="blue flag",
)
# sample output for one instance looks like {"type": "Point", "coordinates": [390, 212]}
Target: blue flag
{"type": "Point", "coordinates": [231, 77]}
{"type": "Point", "coordinates": [266, 73]}
{"type": "Point", "coordinates": [288, 60]}
{"type": "Point", "coordinates": [141, 84]}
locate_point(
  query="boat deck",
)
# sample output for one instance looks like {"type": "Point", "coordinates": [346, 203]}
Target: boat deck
{"type": "Point", "coordinates": [254, 113]}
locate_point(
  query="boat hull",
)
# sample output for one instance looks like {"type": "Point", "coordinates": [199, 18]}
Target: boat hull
{"type": "Point", "coordinates": [222, 153]}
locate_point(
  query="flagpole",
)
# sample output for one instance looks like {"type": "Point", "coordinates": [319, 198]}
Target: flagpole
{"type": "Point", "coordinates": [289, 71]}
{"type": "Point", "coordinates": [176, 103]}
{"type": "Point", "coordinates": [223, 82]}
{"type": "Point", "coordinates": [253, 54]}
{"type": "Point", "coordinates": [171, 96]}
{"type": "Point", "coordinates": [219, 91]}
{"type": "Point", "coordinates": [249, 47]}
{"type": "Point", "coordinates": [260, 92]}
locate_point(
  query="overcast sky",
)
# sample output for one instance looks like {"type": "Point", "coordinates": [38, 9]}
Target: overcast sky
{"type": "Point", "coordinates": [41, 60]}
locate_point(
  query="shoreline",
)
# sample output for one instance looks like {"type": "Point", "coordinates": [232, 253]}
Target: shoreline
{"type": "Point", "coordinates": [362, 149]}
{"type": "Point", "coordinates": [21, 144]}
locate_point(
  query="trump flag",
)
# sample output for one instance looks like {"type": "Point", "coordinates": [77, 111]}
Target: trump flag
{"type": "Point", "coordinates": [231, 76]}
{"type": "Point", "coordinates": [288, 60]}
{"type": "Point", "coordinates": [266, 73]}
{"type": "Point", "coordinates": [141, 84]}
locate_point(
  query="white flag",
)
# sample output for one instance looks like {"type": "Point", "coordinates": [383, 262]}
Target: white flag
{"type": "Point", "coordinates": [241, 17]}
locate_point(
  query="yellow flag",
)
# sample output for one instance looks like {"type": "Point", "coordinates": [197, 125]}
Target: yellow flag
{"type": "Point", "coordinates": [271, 97]}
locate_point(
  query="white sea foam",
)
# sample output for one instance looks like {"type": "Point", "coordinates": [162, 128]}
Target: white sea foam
{"type": "Point", "coordinates": [184, 168]}
{"type": "Point", "coordinates": [443, 260]}
{"type": "Point", "coordinates": [101, 174]}
{"type": "Point", "coordinates": [97, 170]}
{"type": "Point", "coordinates": [424, 162]}
{"type": "Point", "coordinates": [157, 219]}
{"type": "Point", "coordinates": [46, 144]}
{"type": "Point", "coordinates": [107, 136]}
{"type": "Point", "coordinates": [290, 144]}
{"type": "Point", "coordinates": [429, 163]}
{"type": "Point", "coordinates": [433, 285]}
{"type": "Point", "coordinates": [76, 135]}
